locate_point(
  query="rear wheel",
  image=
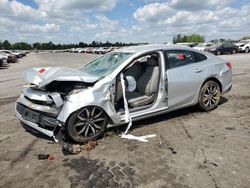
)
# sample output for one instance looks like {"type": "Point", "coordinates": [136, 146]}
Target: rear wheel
{"type": "Point", "coordinates": [87, 124]}
{"type": "Point", "coordinates": [209, 96]}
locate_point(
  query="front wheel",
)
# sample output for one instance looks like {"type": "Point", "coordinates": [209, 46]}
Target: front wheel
{"type": "Point", "coordinates": [87, 124]}
{"type": "Point", "coordinates": [234, 51]}
{"type": "Point", "coordinates": [247, 50]}
{"type": "Point", "coordinates": [209, 96]}
{"type": "Point", "coordinates": [218, 52]}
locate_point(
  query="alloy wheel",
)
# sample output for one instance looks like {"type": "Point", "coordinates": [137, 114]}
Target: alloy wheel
{"type": "Point", "coordinates": [211, 96]}
{"type": "Point", "coordinates": [89, 122]}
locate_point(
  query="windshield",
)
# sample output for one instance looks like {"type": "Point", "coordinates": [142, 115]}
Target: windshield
{"type": "Point", "coordinates": [106, 64]}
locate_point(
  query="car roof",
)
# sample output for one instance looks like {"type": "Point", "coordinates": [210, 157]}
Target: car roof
{"type": "Point", "coordinates": [153, 47]}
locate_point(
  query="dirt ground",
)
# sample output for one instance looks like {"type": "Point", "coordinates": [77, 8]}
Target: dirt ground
{"type": "Point", "coordinates": [191, 149]}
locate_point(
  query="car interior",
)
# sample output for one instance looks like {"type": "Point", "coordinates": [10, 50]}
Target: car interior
{"type": "Point", "coordinates": [145, 72]}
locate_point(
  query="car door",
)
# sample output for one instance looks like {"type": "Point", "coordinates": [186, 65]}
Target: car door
{"type": "Point", "coordinates": [185, 74]}
{"type": "Point", "coordinates": [228, 48]}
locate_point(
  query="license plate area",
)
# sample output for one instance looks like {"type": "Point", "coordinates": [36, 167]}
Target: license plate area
{"type": "Point", "coordinates": [31, 115]}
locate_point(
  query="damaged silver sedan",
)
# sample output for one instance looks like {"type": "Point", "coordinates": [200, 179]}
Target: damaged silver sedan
{"type": "Point", "coordinates": [158, 79]}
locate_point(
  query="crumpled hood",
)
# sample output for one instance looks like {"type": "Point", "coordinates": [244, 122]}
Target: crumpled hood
{"type": "Point", "coordinates": [42, 76]}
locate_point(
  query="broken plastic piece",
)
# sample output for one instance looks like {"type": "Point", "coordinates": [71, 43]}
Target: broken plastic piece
{"type": "Point", "coordinates": [43, 156]}
{"type": "Point", "coordinates": [139, 138]}
{"type": "Point", "coordinates": [51, 157]}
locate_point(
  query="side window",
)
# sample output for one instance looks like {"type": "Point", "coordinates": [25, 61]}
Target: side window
{"type": "Point", "coordinates": [177, 58]}
{"type": "Point", "coordinates": [199, 57]}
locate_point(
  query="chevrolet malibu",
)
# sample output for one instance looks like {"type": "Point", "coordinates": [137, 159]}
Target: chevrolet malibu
{"type": "Point", "coordinates": [138, 82]}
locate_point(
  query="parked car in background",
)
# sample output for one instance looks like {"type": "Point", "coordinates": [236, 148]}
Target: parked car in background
{"type": "Point", "coordinates": [136, 82]}
{"type": "Point", "coordinates": [10, 57]}
{"type": "Point", "coordinates": [19, 54]}
{"type": "Point", "coordinates": [203, 46]}
{"type": "Point", "coordinates": [243, 46]}
{"type": "Point", "coordinates": [190, 44]}
{"type": "Point", "coordinates": [3, 60]}
{"type": "Point", "coordinates": [222, 48]}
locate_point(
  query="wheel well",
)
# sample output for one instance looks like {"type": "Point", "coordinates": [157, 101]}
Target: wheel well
{"type": "Point", "coordinates": [215, 80]}
{"type": "Point", "coordinates": [109, 119]}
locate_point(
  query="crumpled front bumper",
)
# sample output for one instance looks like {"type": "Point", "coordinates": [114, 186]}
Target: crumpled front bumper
{"type": "Point", "coordinates": [34, 125]}
{"type": "Point", "coordinates": [37, 114]}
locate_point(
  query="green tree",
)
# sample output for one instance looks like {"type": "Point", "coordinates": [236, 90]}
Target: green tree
{"type": "Point", "coordinates": [6, 45]}
{"type": "Point", "coordinates": [21, 46]}
{"type": "Point", "coordinates": [188, 38]}
{"type": "Point", "coordinates": [245, 37]}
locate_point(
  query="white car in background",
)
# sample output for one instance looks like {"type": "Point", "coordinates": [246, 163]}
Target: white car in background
{"type": "Point", "coordinates": [203, 46]}
{"type": "Point", "coordinates": [3, 60]}
{"type": "Point", "coordinates": [244, 46]}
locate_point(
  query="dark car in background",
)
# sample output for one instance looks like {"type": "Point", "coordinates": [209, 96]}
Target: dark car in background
{"type": "Point", "coordinates": [223, 48]}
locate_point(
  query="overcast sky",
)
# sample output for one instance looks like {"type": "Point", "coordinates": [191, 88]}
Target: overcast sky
{"type": "Point", "coordinates": [154, 21]}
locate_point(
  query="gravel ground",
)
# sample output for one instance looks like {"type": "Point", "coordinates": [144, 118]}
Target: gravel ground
{"type": "Point", "coordinates": [192, 149]}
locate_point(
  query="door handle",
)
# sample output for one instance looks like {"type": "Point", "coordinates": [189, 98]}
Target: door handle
{"type": "Point", "coordinates": [197, 70]}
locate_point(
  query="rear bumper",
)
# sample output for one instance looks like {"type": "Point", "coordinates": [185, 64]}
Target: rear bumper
{"type": "Point", "coordinates": [226, 81]}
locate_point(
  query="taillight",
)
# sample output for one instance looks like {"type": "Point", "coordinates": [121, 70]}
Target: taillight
{"type": "Point", "coordinates": [229, 65]}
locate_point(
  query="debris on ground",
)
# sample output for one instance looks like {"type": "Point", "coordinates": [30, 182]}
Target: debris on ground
{"type": "Point", "coordinates": [73, 148]}
{"type": "Point", "coordinates": [89, 146]}
{"type": "Point", "coordinates": [138, 138]}
{"type": "Point", "coordinates": [77, 148]}
{"type": "Point", "coordinates": [45, 156]}
{"type": "Point", "coordinates": [230, 128]}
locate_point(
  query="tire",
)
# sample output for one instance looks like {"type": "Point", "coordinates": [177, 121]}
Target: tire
{"type": "Point", "coordinates": [234, 51]}
{"type": "Point", "coordinates": [247, 50]}
{"type": "Point", "coordinates": [86, 124]}
{"type": "Point", "coordinates": [218, 52]}
{"type": "Point", "coordinates": [209, 96]}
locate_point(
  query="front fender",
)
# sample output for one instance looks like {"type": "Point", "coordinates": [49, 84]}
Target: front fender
{"type": "Point", "coordinates": [90, 97]}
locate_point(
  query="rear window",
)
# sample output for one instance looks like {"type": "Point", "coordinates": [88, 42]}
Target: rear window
{"type": "Point", "coordinates": [199, 57]}
{"type": "Point", "coordinates": [177, 58]}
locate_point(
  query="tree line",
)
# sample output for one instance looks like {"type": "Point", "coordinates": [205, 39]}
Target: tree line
{"type": "Point", "coordinates": [51, 46]}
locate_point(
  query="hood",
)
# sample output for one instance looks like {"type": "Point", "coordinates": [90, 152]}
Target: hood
{"type": "Point", "coordinates": [42, 76]}
{"type": "Point", "coordinates": [240, 43]}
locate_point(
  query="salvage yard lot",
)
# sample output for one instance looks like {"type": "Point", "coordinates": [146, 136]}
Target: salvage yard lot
{"type": "Point", "coordinates": [191, 149]}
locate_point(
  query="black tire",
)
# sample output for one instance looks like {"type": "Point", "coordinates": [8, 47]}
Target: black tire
{"type": "Point", "coordinates": [209, 96]}
{"type": "Point", "coordinates": [86, 124]}
{"type": "Point", "coordinates": [218, 52]}
{"type": "Point", "coordinates": [247, 50]}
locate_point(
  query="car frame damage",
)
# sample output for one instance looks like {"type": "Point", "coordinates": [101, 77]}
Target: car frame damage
{"type": "Point", "coordinates": [46, 104]}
